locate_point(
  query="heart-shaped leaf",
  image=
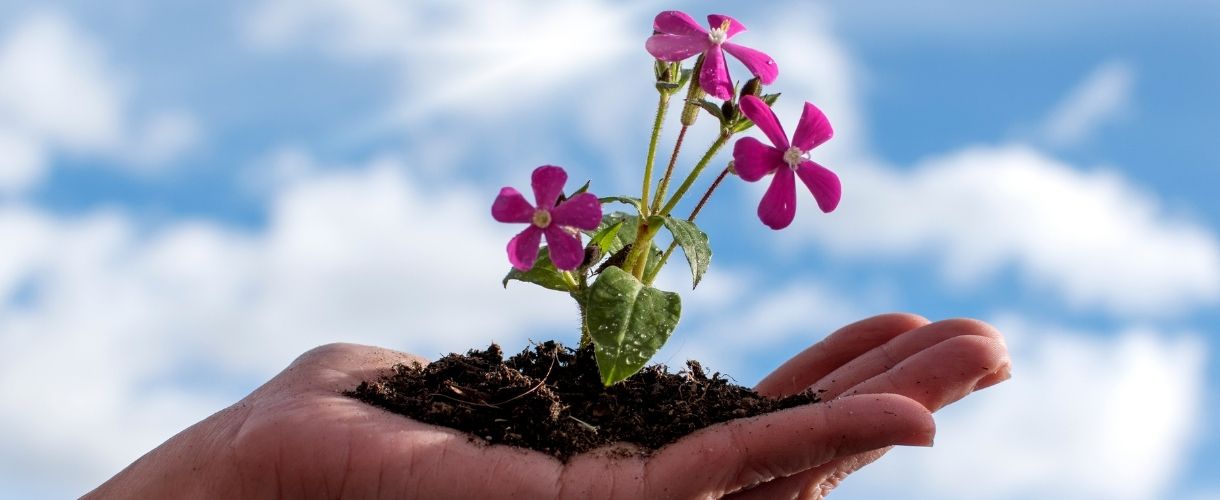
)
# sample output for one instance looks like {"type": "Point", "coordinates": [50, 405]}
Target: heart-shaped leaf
{"type": "Point", "coordinates": [628, 321]}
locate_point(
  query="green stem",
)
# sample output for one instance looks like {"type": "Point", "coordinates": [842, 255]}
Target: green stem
{"type": "Point", "coordinates": [694, 213]}
{"type": "Point", "coordinates": [669, 171]}
{"type": "Point", "coordinates": [694, 174]}
{"type": "Point", "coordinates": [662, 105]}
{"type": "Point", "coordinates": [569, 280]}
{"type": "Point", "coordinates": [586, 337]}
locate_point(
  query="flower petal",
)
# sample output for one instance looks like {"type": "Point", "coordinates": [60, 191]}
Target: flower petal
{"type": "Point", "coordinates": [510, 206]}
{"type": "Point", "coordinates": [759, 113]}
{"type": "Point", "coordinates": [714, 78]}
{"type": "Point", "coordinates": [813, 129]}
{"type": "Point", "coordinates": [752, 159]}
{"type": "Point", "coordinates": [778, 205]}
{"type": "Point", "coordinates": [566, 251]}
{"type": "Point", "coordinates": [717, 20]}
{"type": "Point", "coordinates": [674, 22]}
{"type": "Point", "coordinates": [760, 64]}
{"type": "Point", "coordinates": [823, 183]}
{"type": "Point", "coordinates": [582, 211]}
{"type": "Point", "coordinates": [523, 248]}
{"type": "Point", "coordinates": [548, 181]}
{"type": "Point", "coordinates": [676, 47]}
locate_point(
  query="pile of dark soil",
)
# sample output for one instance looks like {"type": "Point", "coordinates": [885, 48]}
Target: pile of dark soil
{"type": "Point", "coordinates": [551, 399]}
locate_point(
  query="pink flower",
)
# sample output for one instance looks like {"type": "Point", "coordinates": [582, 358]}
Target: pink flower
{"type": "Point", "coordinates": [679, 37]}
{"type": "Point", "coordinates": [560, 223]}
{"type": "Point", "coordinates": [752, 159]}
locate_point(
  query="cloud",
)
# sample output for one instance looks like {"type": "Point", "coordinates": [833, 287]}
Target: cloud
{"type": "Point", "coordinates": [1104, 95]}
{"type": "Point", "coordinates": [153, 328]}
{"type": "Point", "coordinates": [1085, 415]}
{"type": "Point", "coordinates": [60, 93]}
{"type": "Point", "coordinates": [482, 57]}
{"type": "Point", "coordinates": [1091, 237]}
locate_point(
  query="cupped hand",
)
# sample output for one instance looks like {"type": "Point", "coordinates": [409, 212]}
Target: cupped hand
{"type": "Point", "coordinates": [297, 437]}
{"type": "Point", "coordinates": [897, 354]}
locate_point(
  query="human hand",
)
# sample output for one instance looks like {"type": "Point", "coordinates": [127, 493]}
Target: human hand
{"type": "Point", "coordinates": [934, 364]}
{"type": "Point", "coordinates": [297, 437]}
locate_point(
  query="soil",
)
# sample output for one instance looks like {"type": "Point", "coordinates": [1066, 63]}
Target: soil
{"type": "Point", "coordinates": [551, 399]}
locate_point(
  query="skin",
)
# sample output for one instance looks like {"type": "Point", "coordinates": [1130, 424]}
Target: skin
{"type": "Point", "coordinates": [297, 437]}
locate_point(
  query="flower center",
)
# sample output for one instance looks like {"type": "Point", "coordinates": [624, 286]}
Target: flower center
{"type": "Point", "coordinates": [720, 34]}
{"type": "Point", "coordinates": [542, 219]}
{"type": "Point", "coordinates": [793, 156]}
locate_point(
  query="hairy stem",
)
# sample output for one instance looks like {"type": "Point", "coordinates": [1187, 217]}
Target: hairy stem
{"type": "Point", "coordinates": [662, 106]}
{"type": "Point", "coordinates": [694, 174]}
{"type": "Point", "coordinates": [669, 171]}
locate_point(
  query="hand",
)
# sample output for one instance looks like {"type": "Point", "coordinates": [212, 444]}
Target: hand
{"type": "Point", "coordinates": [297, 437]}
{"type": "Point", "coordinates": [934, 364]}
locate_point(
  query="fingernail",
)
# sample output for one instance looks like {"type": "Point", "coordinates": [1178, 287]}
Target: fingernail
{"type": "Point", "coordinates": [1000, 375]}
{"type": "Point", "coordinates": [922, 438]}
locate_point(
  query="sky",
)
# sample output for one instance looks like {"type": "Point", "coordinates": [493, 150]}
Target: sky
{"type": "Point", "coordinates": [192, 194]}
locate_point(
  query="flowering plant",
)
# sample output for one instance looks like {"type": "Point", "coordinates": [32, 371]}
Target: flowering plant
{"type": "Point", "coordinates": [623, 316]}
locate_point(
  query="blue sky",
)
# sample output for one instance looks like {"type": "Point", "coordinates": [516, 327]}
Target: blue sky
{"type": "Point", "coordinates": [191, 195]}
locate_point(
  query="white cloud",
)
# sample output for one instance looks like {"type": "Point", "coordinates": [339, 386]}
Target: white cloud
{"type": "Point", "coordinates": [1090, 236]}
{"type": "Point", "coordinates": [124, 316]}
{"type": "Point", "coordinates": [1084, 416]}
{"type": "Point", "coordinates": [59, 92]}
{"type": "Point", "coordinates": [482, 57]}
{"type": "Point", "coordinates": [1100, 98]}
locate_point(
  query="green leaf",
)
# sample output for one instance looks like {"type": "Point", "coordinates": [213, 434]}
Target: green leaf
{"type": "Point", "coordinates": [629, 322]}
{"type": "Point", "coordinates": [694, 244]}
{"type": "Point", "coordinates": [606, 236]}
{"type": "Point", "coordinates": [626, 200]}
{"type": "Point", "coordinates": [626, 233]}
{"type": "Point", "coordinates": [583, 189]}
{"type": "Point", "coordinates": [543, 274]}
{"type": "Point", "coordinates": [711, 108]}
{"type": "Point", "coordinates": [770, 98]}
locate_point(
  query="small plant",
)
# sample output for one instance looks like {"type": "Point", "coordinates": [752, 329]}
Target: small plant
{"type": "Point", "coordinates": [623, 316]}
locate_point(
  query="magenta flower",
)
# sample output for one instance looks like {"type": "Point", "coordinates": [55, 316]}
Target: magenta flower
{"type": "Point", "coordinates": [560, 223]}
{"type": "Point", "coordinates": [679, 37]}
{"type": "Point", "coordinates": [752, 159]}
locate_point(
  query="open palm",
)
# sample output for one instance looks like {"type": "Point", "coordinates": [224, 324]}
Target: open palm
{"type": "Point", "coordinates": [297, 437]}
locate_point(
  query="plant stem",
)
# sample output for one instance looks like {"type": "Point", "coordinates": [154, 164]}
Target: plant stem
{"type": "Point", "coordinates": [585, 336]}
{"type": "Point", "coordinates": [669, 171]}
{"type": "Point", "coordinates": [662, 106]}
{"type": "Point", "coordinates": [715, 184]}
{"type": "Point", "coordinates": [694, 213]}
{"type": "Point", "coordinates": [694, 174]}
{"type": "Point", "coordinates": [569, 280]}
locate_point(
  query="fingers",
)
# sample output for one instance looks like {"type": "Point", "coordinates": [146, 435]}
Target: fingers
{"type": "Point", "coordinates": [943, 373]}
{"type": "Point", "coordinates": [840, 347]}
{"type": "Point", "coordinates": [732, 456]}
{"type": "Point", "coordinates": [886, 356]}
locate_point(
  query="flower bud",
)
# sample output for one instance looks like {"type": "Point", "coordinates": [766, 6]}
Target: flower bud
{"type": "Point", "coordinates": [694, 94]}
{"type": "Point", "coordinates": [753, 87]}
